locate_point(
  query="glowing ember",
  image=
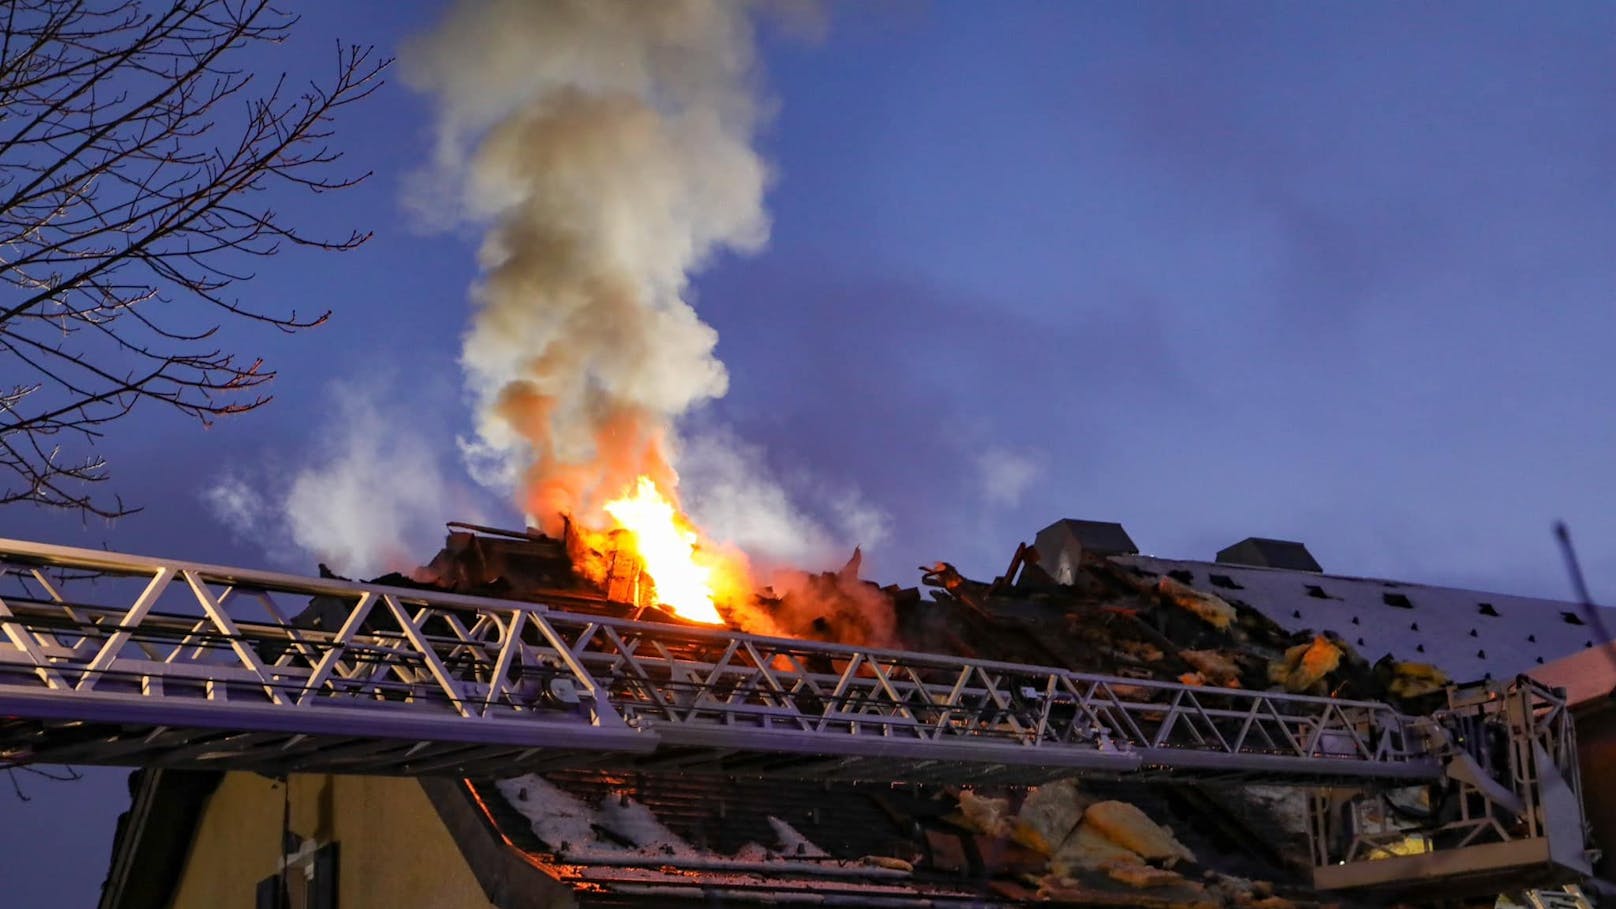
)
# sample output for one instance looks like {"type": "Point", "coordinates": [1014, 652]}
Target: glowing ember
{"type": "Point", "coordinates": [666, 544]}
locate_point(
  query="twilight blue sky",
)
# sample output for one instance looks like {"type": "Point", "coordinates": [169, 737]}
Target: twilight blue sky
{"type": "Point", "coordinates": [1338, 272]}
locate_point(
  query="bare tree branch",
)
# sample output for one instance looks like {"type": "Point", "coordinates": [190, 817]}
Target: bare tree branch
{"type": "Point", "coordinates": [133, 159]}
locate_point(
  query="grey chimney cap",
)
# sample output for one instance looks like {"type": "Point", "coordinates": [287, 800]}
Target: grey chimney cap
{"type": "Point", "coordinates": [1062, 545]}
{"type": "Point", "coordinates": [1261, 552]}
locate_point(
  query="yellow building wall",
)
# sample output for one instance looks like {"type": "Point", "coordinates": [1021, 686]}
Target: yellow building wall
{"type": "Point", "coordinates": [393, 850]}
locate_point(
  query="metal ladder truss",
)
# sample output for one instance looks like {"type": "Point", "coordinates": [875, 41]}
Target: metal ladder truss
{"type": "Point", "coordinates": [1506, 816]}
{"type": "Point", "coordinates": [116, 659]}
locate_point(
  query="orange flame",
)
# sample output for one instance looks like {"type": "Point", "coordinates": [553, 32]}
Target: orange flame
{"type": "Point", "coordinates": [668, 546]}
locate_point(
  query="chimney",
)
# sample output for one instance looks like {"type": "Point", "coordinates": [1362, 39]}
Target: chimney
{"type": "Point", "coordinates": [1260, 552]}
{"type": "Point", "coordinates": [1062, 545]}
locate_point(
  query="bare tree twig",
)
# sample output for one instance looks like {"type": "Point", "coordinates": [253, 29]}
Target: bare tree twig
{"type": "Point", "coordinates": [134, 156]}
{"type": "Point", "coordinates": [68, 775]}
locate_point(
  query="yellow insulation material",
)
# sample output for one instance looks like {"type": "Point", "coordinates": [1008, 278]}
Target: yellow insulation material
{"type": "Point", "coordinates": [1207, 607]}
{"type": "Point", "coordinates": [1305, 665]}
{"type": "Point", "coordinates": [1412, 680]}
{"type": "Point", "coordinates": [988, 816]}
{"type": "Point", "coordinates": [1049, 815]}
{"type": "Point", "coordinates": [1127, 826]}
{"type": "Point", "coordinates": [1088, 849]}
{"type": "Point", "coordinates": [1141, 876]}
{"type": "Point", "coordinates": [1217, 668]}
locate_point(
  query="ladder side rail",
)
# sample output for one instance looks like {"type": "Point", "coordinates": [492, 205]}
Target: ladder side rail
{"type": "Point", "coordinates": [116, 563]}
{"type": "Point", "coordinates": [291, 685]}
{"type": "Point", "coordinates": [878, 707]}
{"type": "Point", "coordinates": [878, 692]}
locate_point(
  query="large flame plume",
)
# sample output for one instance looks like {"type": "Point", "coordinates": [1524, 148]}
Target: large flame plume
{"type": "Point", "coordinates": [669, 547]}
{"type": "Point", "coordinates": [609, 145]}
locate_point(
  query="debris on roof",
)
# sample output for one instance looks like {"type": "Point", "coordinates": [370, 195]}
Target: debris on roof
{"type": "Point", "coordinates": [1128, 827]}
{"type": "Point", "coordinates": [1467, 634]}
{"type": "Point", "coordinates": [1052, 812]}
{"type": "Point", "coordinates": [1303, 668]}
{"type": "Point", "coordinates": [1208, 607]}
{"type": "Point", "coordinates": [1087, 849]}
{"type": "Point", "coordinates": [1412, 681]}
{"type": "Point", "coordinates": [1095, 842]}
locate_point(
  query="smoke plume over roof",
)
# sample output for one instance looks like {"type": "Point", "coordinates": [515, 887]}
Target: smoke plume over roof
{"type": "Point", "coordinates": [608, 146]}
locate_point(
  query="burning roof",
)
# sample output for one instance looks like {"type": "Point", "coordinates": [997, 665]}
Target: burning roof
{"type": "Point", "coordinates": [665, 834]}
{"type": "Point", "coordinates": [657, 832]}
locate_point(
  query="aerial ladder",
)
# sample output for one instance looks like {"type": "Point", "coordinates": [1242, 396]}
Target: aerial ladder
{"type": "Point", "coordinates": [116, 659]}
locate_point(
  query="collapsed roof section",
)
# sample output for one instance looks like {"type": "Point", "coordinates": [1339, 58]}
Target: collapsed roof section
{"type": "Point", "coordinates": [665, 837]}
{"type": "Point", "coordinates": [1081, 598]}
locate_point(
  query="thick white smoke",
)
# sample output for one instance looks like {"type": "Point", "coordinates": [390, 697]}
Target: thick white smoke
{"type": "Point", "coordinates": [609, 144]}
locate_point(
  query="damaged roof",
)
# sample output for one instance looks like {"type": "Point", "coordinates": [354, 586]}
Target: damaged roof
{"type": "Point", "coordinates": [1111, 611]}
{"type": "Point", "coordinates": [665, 837]}
{"type": "Point", "coordinates": [1468, 633]}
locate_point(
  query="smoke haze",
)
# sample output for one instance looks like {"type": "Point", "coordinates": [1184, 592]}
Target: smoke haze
{"type": "Point", "coordinates": [1007, 475]}
{"type": "Point", "coordinates": [735, 496]}
{"type": "Point", "coordinates": [371, 496]}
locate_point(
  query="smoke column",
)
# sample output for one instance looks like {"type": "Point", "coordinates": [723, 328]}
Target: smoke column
{"type": "Point", "coordinates": [608, 143]}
